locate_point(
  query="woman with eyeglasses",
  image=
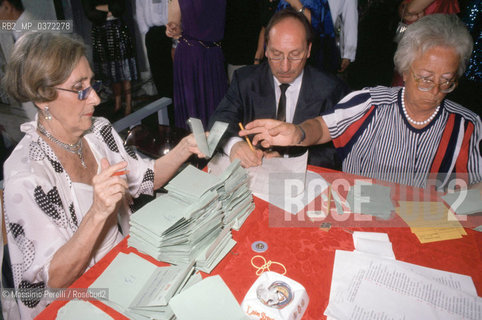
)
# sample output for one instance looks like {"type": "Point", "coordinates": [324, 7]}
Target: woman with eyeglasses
{"type": "Point", "coordinates": [402, 134]}
{"type": "Point", "coordinates": [70, 180]}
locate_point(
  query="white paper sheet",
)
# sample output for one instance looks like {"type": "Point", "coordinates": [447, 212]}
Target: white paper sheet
{"type": "Point", "coordinates": [376, 243]}
{"type": "Point", "coordinates": [283, 182]}
{"type": "Point", "coordinates": [368, 287]}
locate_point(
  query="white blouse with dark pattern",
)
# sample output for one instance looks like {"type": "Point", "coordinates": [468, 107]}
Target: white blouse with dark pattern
{"type": "Point", "coordinates": [40, 212]}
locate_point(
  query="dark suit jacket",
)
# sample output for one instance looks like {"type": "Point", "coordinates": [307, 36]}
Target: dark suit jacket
{"type": "Point", "coordinates": [252, 96]}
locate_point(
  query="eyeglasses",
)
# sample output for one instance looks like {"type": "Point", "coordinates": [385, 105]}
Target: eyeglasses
{"type": "Point", "coordinates": [84, 94]}
{"type": "Point", "coordinates": [277, 58]}
{"type": "Point", "coordinates": [425, 84]}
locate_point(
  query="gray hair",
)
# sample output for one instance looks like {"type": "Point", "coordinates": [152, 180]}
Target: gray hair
{"type": "Point", "coordinates": [39, 62]}
{"type": "Point", "coordinates": [432, 31]}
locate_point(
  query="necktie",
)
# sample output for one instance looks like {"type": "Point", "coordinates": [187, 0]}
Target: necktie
{"type": "Point", "coordinates": [281, 115]}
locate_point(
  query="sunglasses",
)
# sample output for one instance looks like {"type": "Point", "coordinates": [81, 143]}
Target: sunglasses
{"type": "Point", "coordinates": [84, 94]}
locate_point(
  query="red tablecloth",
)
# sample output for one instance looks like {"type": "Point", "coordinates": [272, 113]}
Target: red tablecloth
{"type": "Point", "coordinates": [308, 253]}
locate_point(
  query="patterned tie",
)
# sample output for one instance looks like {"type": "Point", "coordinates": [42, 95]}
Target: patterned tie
{"type": "Point", "coordinates": [281, 115]}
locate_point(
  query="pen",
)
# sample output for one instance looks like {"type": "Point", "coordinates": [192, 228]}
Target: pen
{"type": "Point", "coordinates": [246, 137]}
{"type": "Point", "coordinates": [119, 173]}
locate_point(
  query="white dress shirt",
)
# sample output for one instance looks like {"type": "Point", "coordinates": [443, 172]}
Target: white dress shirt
{"type": "Point", "coordinates": [348, 11]}
{"type": "Point", "coordinates": [292, 94]}
{"type": "Point", "coordinates": [150, 13]}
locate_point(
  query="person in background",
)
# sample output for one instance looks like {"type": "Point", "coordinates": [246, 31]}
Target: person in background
{"type": "Point", "coordinates": [402, 135]}
{"type": "Point", "coordinates": [151, 17]}
{"type": "Point", "coordinates": [325, 54]}
{"type": "Point", "coordinates": [344, 14]}
{"type": "Point", "coordinates": [377, 20]}
{"type": "Point", "coordinates": [14, 10]}
{"type": "Point", "coordinates": [284, 87]}
{"type": "Point", "coordinates": [412, 10]}
{"type": "Point", "coordinates": [200, 80]}
{"type": "Point", "coordinates": [70, 181]}
{"type": "Point", "coordinates": [266, 10]}
{"type": "Point", "coordinates": [471, 82]}
{"type": "Point", "coordinates": [113, 51]}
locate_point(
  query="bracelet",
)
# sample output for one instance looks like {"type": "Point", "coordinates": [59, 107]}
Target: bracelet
{"type": "Point", "coordinates": [302, 10]}
{"type": "Point", "coordinates": [257, 59]}
{"type": "Point", "coordinates": [303, 134]}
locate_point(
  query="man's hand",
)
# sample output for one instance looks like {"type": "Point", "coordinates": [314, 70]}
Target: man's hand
{"type": "Point", "coordinates": [248, 157]}
{"type": "Point", "coordinates": [344, 64]}
{"type": "Point", "coordinates": [271, 154]}
{"type": "Point", "coordinates": [271, 132]}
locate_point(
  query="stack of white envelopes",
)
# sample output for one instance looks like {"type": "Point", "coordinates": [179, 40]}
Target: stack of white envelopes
{"type": "Point", "coordinates": [186, 224]}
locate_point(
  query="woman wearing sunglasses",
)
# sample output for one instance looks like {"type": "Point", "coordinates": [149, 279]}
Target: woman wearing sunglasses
{"type": "Point", "coordinates": [70, 180]}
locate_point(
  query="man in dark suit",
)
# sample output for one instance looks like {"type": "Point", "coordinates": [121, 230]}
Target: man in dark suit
{"type": "Point", "coordinates": [284, 88]}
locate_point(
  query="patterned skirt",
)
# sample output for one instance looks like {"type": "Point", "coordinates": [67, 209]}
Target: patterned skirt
{"type": "Point", "coordinates": [113, 52]}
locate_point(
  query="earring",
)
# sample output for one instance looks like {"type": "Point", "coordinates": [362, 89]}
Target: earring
{"type": "Point", "coordinates": [47, 114]}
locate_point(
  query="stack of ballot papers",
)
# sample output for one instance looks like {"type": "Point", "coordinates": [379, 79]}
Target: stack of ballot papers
{"type": "Point", "coordinates": [464, 201]}
{"type": "Point", "coordinates": [370, 198]}
{"type": "Point", "coordinates": [234, 195]}
{"type": "Point", "coordinates": [367, 286]}
{"type": "Point", "coordinates": [192, 221]}
{"type": "Point", "coordinates": [283, 182]}
{"type": "Point", "coordinates": [430, 221]}
{"type": "Point", "coordinates": [141, 290]}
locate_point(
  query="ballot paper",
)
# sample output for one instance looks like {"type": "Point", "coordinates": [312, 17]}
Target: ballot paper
{"type": "Point", "coordinates": [80, 310]}
{"type": "Point", "coordinates": [283, 182]}
{"type": "Point", "coordinates": [375, 243]}
{"type": "Point", "coordinates": [135, 283]}
{"type": "Point", "coordinates": [207, 146]}
{"type": "Point", "coordinates": [209, 299]}
{"type": "Point", "coordinates": [193, 221]}
{"type": "Point", "coordinates": [370, 198]}
{"type": "Point", "coordinates": [465, 201]}
{"type": "Point", "coordinates": [368, 287]}
{"type": "Point", "coordinates": [430, 221]}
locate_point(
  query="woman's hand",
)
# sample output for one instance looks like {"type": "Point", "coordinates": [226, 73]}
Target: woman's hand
{"type": "Point", "coordinates": [108, 188]}
{"type": "Point", "coordinates": [271, 132]}
{"type": "Point", "coordinates": [189, 146]}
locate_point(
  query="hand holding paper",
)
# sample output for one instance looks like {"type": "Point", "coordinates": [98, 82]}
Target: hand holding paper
{"type": "Point", "coordinates": [207, 146]}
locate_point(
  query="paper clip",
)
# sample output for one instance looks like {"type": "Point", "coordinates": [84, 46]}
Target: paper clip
{"type": "Point", "coordinates": [265, 266]}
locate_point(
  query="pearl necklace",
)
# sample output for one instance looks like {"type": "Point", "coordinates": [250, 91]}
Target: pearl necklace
{"type": "Point", "coordinates": [75, 148]}
{"type": "Point", "coordinates": [418, 123]}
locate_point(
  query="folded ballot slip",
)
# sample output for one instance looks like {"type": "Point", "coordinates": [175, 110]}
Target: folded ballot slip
{"type": "Point", "coordinates": [274, 296]}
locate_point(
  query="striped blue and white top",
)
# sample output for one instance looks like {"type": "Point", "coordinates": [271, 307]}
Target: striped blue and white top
{"type": "Point", "coordinates": [374, 139]}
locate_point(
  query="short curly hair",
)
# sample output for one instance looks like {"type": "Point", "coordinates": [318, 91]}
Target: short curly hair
{"type": "Point", "coordinates": [431, 31]}
{"type": "Point", "coordinates": [39, 62]}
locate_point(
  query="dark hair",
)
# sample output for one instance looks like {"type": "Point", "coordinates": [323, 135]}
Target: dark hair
{"type": "Point", "coordinates": [286, 14]}
{"type": "Point", "coordinates": [16, 3]}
